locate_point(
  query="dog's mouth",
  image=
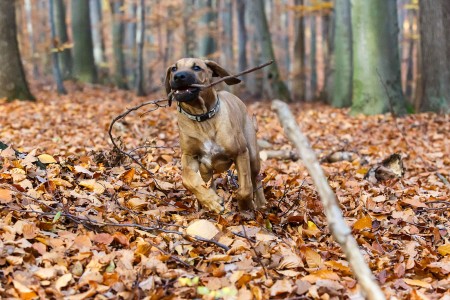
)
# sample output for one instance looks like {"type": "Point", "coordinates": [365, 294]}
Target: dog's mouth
{"type": "Point", "coordinates": [185, 94]}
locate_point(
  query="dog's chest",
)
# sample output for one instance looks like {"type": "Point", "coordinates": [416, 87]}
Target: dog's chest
{"type": "Point", "coordinates": [211, 153]}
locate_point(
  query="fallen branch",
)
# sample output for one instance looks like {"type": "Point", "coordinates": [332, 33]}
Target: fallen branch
{"type": "Point", "coordinates": [202, 86]}
{"type": "Point", "coordinates": [339, 228]}
{"type": "Point", "coordinates": [278, 154]}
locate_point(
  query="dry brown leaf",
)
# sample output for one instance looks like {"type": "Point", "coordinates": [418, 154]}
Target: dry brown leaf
{"type": "Point", "coordinates": [281, 287]}
{"type": "Point", "coordinates": [202, 228]}
{"type": "Point", "coordinates": [363, 223]}
{"type": "Point", "coordinates": [47, 159]}
{"type": "Point", "coordinates": [5, 196]}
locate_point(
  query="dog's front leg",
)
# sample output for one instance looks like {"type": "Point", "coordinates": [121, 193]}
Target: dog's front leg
{"type": "Point", "coordinates": [245, 190]}
{"type": "Point", "coordinates": [193, 181]}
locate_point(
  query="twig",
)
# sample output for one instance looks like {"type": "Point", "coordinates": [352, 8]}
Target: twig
{"type": "Point", "coordinates": [202, 86]}
{"type": "Point", "coordinates": [257, 255]}
{"type": "Point", "coordinates": [122, 115]}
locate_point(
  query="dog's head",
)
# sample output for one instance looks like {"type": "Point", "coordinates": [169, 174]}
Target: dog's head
{"type": "Point", "coordinates": [188, 71]}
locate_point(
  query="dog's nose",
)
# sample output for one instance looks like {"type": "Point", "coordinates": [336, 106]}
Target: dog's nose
{"type": "Point", "coordinates": [180, 76]}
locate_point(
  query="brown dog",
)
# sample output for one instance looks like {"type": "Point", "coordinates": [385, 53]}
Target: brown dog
{"type": "Point", "coordinates": [215, 131]}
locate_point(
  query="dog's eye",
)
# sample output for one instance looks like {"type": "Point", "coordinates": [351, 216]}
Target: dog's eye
{"type": "Point", "coordinates": [196, 68]}
{"type": "Point", "coordinates": [174, 69]}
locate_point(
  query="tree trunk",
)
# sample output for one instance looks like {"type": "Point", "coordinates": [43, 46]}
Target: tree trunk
{"type": "Point", "coordinates": [276, 88]}
{"type": "Point", "coordinates": [188, 27]}
{"type": "Point", "coordinates": [376, 63]}
{"type": "Point", "coordinates": [242, 35]}
{"type": "Point", "coordinates": [313, 59]}
{"type": "Point", "coordinates": [13, 84]}
{"type": "Point", "coordinates": [118, 30]}
{"type": "Point", "coordinates": [55, 61]}
{"type": "Point", "coordinates": [298, 60]}
{"type": "Point", "coordinates": [342, 42]}
{"type": "Point", "coordinates": [64, 57]}
{"type": "Point", "coordinates": [83, 57]}
{"type": "Point", "coordinates": [435, 47]}
{"type": "Point", "coordinates": [227, 38]}
{"type": "Point", "coordinates": [140, 44]}
{"type": "Point", "coordinates": [31, 37]}
{"type": "Point", "coordinates": [207, 45]}
{"type": "Point", "coordinates": [97, 36]}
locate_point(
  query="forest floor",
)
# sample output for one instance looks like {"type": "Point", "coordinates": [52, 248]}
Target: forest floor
{"type": "Point", "coordinates": [94, 225]}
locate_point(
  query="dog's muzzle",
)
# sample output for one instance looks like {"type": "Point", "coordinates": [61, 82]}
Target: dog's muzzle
{"type": "Point", "coordinates": [180, 85]}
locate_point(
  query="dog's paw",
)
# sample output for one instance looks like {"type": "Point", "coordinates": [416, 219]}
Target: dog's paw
{"type": "Point", "coordinates": [215, 205]}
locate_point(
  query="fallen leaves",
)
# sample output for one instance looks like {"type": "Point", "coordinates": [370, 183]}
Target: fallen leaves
{"type": "Point", "coordinates": [401, 223]}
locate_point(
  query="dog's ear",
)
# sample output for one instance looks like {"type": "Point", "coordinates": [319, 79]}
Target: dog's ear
{"type": "Point", "coordinates": [218, 71]}
{"type": "Point", "coordinates": [167, 80]}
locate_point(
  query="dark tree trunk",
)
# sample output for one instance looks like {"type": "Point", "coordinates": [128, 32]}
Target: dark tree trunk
{"type": "Point", "coordinates": [188, 27]}
{"type": "Point", "coordinates": [140, 44]}
{"type": "Point", "coordinates": [242, 35]}
{"type": "Point", "coordinates": [298, 60]}
{"type": "Point", "coordinates": [276, 88]}
{"type": "Point", "coordinates": [118, 30]}
{"type": "Point", "coordinates": [435, 47]}
{"type": "Point", "coordinates": [55, 61]}
{"type": "Point", "coordinates": [13, 84]}
{"type": "Point", "coordinates": [227, 38]}
{"type": "Point", "coordinates": [97, 35]}
{"type": "Point", "coordinates": [64, 57]}
{"type": "Point", "coordinates": [83, 57]}
{"type": "Point", "coordinates": [207, 45]}
{"type": "Point", "coordinates": [313, 59]}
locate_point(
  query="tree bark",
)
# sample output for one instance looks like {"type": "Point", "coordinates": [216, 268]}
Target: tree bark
{"type": "Point", "coordinates": [298, 60]}
{"type": "Point", "coordinates": [118, 30]}
{"type": "Point", "coordinates": [13, 84]}
{"type": "Point", "coordinates": [276, 88]}
{"type": "Point", "coordinates": [242, 35]}
{"type": "Point", "coordinates": [313, 59]}
{"type": "Point", "coordinates": [97, 36]}
{"type": "Point", "coordinates": [30, 30]}
{"type": "Point", "coordinates": [338, 227]}
{"type": "Point", "coordinates": [83, 57]}
{"type": "Point", "coordinates": [227, 35]}
{"type": "Point", "coordinates": [375, 55]}
{"type": "Point", "coordinates": [188, 27]}
{"type": "Point", "coordinates": [140, 91]}
{"type": "Point", "coordinates": [342, 41]}
{"type": "Point", "coordinates": [55, 62]}
{"type": "Point", "coordinates": [435, 47]}
{"type": "Point", "coordinates": [64, 54]}
{"type": "Point", "coordinates": [208, 25]}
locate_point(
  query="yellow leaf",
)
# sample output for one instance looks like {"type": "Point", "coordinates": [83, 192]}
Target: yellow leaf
{"type": "Point", "coordinates": [202, 228]}
{"type": "Point", "coordinates": [63, 281]}
{"type": "Point", "coordinates": [93, 186]}
{"type": "Point", "coordinates": [127, 177]}
{"type": "Point", "coordinates": [312, 226]}
{"type": "Point", "coordinates": [313, 259]}
{"type": "Point", "coordinates": [417, 282]}
{"type": "Point", "coordinates": [444, 249]}
{"type": "Point", "coordinates": [5, 196]}
{"type": "Point", "coordinates": [46, 159]}
{"type": "Point", "coordinates": [363, 223]}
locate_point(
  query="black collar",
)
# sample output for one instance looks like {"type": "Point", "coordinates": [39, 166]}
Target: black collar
{"type": "Point", "coordinates": [203, 117]}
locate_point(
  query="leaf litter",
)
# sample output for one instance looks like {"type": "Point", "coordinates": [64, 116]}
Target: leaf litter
{"type": "Point", "coordinates": [92, 224]}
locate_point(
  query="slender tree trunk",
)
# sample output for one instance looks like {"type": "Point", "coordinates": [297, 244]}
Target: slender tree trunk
{"type": "Point", "coordinates": [97, 36]}
{"type": "Point", "coordinates": [208, 24]}
{"type": "Point", "coordinates": [254, 80]}
{"type": "Point", "coordinates": [435, 47]}
{"type": "Point", "coordinates": [83, 57]}
{"type": "Point", "coordinates": [55, 61]}
{"type": "Point", "coordinates": [298, 60]}
{"type": "Point", "coordinates": [242, 35]}
{"type": "Point", "coordinates": [328, 24]}
{"type": "Point", "coordinates": [313, 59]}
{"type": "Point", "coordinates": [140, 44]}
{"type": "Point", "coordinates": [227, 39]}
{"type": "Point", "coordinates": [375, 55]}
{"type": "Point", "coordinates": [64, 56]}
{"type": "Point", "coordinates": [31, 37]}
{"type": "Point", "coordinates": [13, 84]}
{"type": "Point", "coordinates": [410, 58]}
{"type": "Point", "coordinates": [118, 30]}
{"type": "Point", "coordinates": [342, 42]}
{"type": "Point", "coordinates": [189, 34]}
{"type": "Point", "coordinates": [276, 87]}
